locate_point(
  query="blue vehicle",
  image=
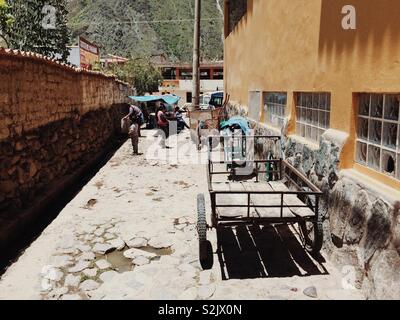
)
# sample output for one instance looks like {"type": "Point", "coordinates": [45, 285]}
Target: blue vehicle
{"type": "Point", "coordinates": [212, 100]}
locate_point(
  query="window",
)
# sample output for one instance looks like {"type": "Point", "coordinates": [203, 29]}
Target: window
{"type": "Point", "coordinates": [378, 133]}
{"type": "Point", "coordinates": [218, 74]}
{"type": "Point", "coordinates": [169, 73]}
{"type": "Point", "coordinates": [186, 74]}
{"type": "Point", "coordinates": [188, 97]}
{"type": "Point", "coordinates": [275, 108]}
{"type": "Point", "coordinates": [205, 74]}
{"type": "Point", "coordinates": [254, 105]}
{"type": "Point", "coordinates": [312, 114]}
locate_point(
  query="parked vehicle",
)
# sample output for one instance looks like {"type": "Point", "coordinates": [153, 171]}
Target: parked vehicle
{"type": "Point", "coordinates": [212, 100]}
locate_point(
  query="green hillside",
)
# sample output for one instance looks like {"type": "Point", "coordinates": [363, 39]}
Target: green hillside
{"type": "Point", "coordinates": [148, 27]}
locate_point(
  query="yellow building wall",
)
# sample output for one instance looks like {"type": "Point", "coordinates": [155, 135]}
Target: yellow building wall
{"type": "Point", "coordinates": [300, 45]}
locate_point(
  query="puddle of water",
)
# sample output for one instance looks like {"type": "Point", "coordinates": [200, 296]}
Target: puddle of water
{"type": "Point", "coordinates": [122, 264]}
{"type": "Point", "coordinates": [119, 262]}
{"type": "Point", "coordinates": [158, 252]}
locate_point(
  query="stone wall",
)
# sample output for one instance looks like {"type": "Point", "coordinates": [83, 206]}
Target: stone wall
{"type": "Point", "coordinates": [54, 120]}
{"type": "Point", "coordinates": [361, 225]}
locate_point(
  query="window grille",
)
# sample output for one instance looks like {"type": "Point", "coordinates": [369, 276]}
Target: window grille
{"type": "Point", "coordinates": [312, 114]}
{"type": "Point", "coordinates": [275, 108]}
{"type": "Point", "coordinates": [378, 133]}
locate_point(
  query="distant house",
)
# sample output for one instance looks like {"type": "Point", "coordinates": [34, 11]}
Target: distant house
{"type": "Point", "coordinates": [113, 60]}
{"type": "Point", "coordinates": [85, 55]}
{"type": "Point", "coordinates": [178, 79]}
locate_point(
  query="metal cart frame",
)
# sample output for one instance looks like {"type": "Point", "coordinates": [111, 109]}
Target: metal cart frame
{"type": "Point", "coordinates": [300, 187]}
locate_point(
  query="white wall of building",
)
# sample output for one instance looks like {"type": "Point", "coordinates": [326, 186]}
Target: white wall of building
{"type": "Point", "coordinates": [205, 85]}
{"type": "Point", "coordinates": [74, 57]}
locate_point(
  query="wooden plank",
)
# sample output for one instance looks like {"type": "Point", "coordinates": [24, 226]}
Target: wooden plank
{"type": "Point", "coordinates": [231, 199]}
{"type": "Point", "coordinates": [291, 199]}
{"type": "Point", "coordinates": [267, 200]}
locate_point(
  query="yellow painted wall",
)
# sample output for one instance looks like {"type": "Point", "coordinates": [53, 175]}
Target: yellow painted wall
{"type": "Point", "coordinates": [300, 45]}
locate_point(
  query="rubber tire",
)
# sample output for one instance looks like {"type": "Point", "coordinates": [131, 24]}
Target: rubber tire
{"type": "Point", "coordinates": [206, 255]}
{"type": "Point", "coordinates": [313, 246]}
{"type": "Point", "coordinates": [214, 221]}
{"type": "Point", "coordinates": [201, 218]}
{"type": "Point", "coordinates": [205, 247]}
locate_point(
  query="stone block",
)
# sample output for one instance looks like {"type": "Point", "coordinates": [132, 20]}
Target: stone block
{"type": "Point", "coordinates": [385, 276]}
{"type": "Point", "coordinates": [339, 210]}
{"type": "Point", "coordinates": [8, 186]}
{"type": "Point", "coordinates": [378, 229]}
{"type": "Point", "coordinates": [307, 160]}
{"type": "Point", "coordinates": [360, 213]}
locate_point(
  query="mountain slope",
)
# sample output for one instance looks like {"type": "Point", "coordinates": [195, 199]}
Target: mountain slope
{"type": "Point", "coordinates": [148, 27]}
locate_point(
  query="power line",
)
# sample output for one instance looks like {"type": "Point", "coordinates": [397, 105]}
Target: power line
{"type": "Point", "coordinates": [144, 22]}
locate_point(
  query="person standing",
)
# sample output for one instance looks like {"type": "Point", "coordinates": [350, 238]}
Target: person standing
{"type": "Point", "coordinates": [163, 123]}
{"type": "Point", "coordinates": [136, 117]}
{"type": "Point", "coordinates": [180, 121]}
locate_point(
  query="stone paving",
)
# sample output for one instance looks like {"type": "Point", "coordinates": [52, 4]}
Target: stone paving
{"type": "Point", "coordinates": [130, 234]}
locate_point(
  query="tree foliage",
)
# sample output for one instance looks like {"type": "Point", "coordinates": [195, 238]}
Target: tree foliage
{"type": "Point", "coordinates": [149, 27]}
{"type": "Point", "coordinates": [140, 73]}
{"type": "Point", "coordinates": [40, 26]}
{"type": "Point", "coordinates": [6, 21]}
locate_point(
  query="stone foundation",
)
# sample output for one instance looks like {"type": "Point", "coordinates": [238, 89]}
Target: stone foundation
{"type": "Point", "coordinates": [362, 231]}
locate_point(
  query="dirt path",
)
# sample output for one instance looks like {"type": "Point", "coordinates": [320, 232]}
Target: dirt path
{"type": "Point", "coordinates": [143, 211]}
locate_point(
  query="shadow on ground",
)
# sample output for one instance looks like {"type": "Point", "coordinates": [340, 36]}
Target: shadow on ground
{"type": "Point", "coordinates": [11, 252]}
{"type": "Point", "coordinates": [250, 252]}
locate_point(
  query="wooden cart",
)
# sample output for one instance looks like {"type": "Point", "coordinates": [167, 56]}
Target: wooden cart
{"type": "Point", "coordinates": [274, 193]}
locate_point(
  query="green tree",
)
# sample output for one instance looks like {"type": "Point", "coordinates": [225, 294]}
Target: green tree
{"type": "Point", "coordinates": [6, 21]}
{"type": "Point", "coordinates": [140, 73]}
{"type": "Point", "coordinates": [40, 26]}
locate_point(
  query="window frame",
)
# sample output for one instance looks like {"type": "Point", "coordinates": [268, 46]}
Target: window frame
{"type": "Point", "coordinates": [383, 148]}
{"type": "Point", "coordinates": [303, 109]}
{"type": "Point", "coordinates": [268, 114]}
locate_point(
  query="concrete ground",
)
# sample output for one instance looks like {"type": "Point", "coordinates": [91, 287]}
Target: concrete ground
{"type": "Point", "coordinates": [131, 234]}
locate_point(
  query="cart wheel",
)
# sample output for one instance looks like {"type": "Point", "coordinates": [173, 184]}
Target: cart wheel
{"type": "Point", "coordinates": [313, 235]}
{"type": "Point", "coordinates": [201, 218]}
{"type": "Point", "coordinates": [205, 247]}
{"type": "Point", "coordinates": [214, 221]}
{"type": "Point", "coordinates": [206, 255]}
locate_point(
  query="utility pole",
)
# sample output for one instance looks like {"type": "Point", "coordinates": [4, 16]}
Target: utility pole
{"type": "Point", "coordinates": [196, 55]}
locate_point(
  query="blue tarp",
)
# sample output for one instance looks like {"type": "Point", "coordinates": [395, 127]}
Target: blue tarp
{"type": "Point", "coordinates": [242, 122]}
{"type": "Point", "coordinates": [170, 99]}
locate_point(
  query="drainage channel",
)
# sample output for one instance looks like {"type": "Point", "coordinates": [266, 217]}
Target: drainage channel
{"type": "Point", "coordinates": [11, 253]}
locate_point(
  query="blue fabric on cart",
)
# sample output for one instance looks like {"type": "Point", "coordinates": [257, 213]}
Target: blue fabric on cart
{"type": "Point", "coordinates": [170, 99]}
{"type": "Point", "coordinates": [237, 120]}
